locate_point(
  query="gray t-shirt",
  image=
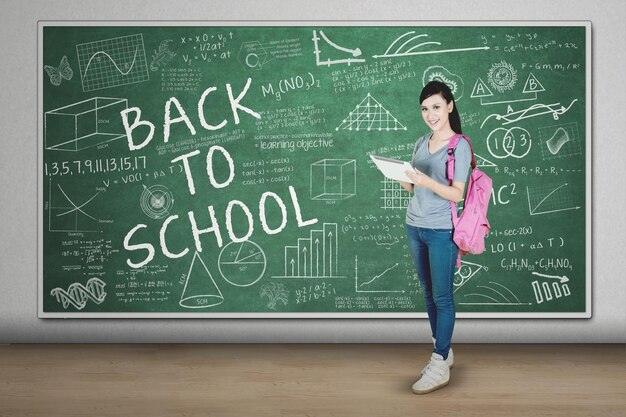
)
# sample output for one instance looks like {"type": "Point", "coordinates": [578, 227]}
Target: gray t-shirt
{"type": "Point", "coordinates": [426, 208]}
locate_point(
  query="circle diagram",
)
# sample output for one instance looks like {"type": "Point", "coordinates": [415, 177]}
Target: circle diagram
{"type": "Point", "coordinates": [156, 201]}
{"type": "Point", "coordinates": [502, 76]}
{"type": "Point", "coordinates": [242, 263]}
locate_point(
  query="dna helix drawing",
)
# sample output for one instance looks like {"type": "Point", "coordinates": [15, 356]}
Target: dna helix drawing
{"type": "Point", "coordinates": [78, 294]}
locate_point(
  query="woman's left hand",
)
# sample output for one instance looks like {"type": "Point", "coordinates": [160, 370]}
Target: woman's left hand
{"type": "Point", "coordinates": [419, 178]}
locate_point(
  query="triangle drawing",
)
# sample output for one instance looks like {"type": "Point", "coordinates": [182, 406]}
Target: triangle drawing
{"type": "Point", "coordinates": [465, 273]}
{"type": "Point", "coordinates": [369, 115]}
{"type": "Point", "coordinates": [482, 162]}
{"type": "Point", "coordinates": [480, 89]}
{"type": "Point", "coordinates": [532, 85]}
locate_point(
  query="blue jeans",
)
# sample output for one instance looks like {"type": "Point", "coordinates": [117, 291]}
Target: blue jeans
{"type": "Point", "coordinates": [434, 255]}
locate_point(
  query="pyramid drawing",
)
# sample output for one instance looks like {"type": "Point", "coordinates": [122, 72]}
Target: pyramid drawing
{"type": "Point", "coordinates": [369, 115]}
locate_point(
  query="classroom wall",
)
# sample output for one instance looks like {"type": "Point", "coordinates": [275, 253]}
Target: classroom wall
{"type": "Point", "coordinates": [18, 178]}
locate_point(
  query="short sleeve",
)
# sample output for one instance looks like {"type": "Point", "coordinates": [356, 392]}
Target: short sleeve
{"type": "Point", "coordinates": [462, 160]}
{"type": "Point", "coordinates": [417, 145]}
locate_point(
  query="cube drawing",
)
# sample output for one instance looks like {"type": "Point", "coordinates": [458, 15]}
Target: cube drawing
{"type": "Point", "coordinates": [84, 124]}
{"type": "Point", "coordinates": [333, 179]}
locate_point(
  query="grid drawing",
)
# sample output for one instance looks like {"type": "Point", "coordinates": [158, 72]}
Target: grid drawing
{"type": "Point", "coordinates": [394, 195]}
{"type": "Point", "coordinates": [560, 141]}
{"type": "Point", "coordinates": [112, 62]}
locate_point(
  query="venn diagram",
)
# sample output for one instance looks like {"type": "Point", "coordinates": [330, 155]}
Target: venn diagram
{"type": "Point", "coordinates": [514, 142]}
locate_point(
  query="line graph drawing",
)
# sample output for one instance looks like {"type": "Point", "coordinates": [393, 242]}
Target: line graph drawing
{"type": "Point", "coordinates": [408, 47]}
{"type": "Point", "coordinates": [242, 264]}
{"type": "Point", "coordinates": [549, 198]}
{"type": "Point", "coordinates": [78, 294]}
{"type": "Point", "coordinates": [121, 71]}
{"type": "Point", "coordinates": [200, 290]}
{"type": "Point", "coordinates": [112, 62]}
{"type": "Point", "coordinates": [357, 286]}
{"type": "Point", "coordinates": [316, 256]}
{"type": "Point", "coordinates": [356, 52]}
{"type": "Point", "coordinates": [497, 294]}
{"type": "Point", "coordinates": [560, 141]}
{"type": "Point", "coordinates": [556, 109]}
{"type": "Point", "coordinates": [64, 215]}
{"type": "Point", "coordinates": [369, 115]}
{"type": "Point", "coordinates": [379, 275]}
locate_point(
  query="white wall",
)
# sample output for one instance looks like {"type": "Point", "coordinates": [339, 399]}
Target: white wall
{"type": "Point", "coordinates": [18, 175]}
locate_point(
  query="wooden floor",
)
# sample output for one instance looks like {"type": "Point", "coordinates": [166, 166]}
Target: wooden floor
{"type": "Point", "coordinates": [309, 380]}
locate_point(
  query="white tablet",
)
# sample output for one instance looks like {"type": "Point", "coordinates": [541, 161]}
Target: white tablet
{"type": "Point", "coordinates": [392, 168]}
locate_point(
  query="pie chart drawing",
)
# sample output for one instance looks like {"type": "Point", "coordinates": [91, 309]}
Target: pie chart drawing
{"type": "Point", "coordinates": [242, 264]}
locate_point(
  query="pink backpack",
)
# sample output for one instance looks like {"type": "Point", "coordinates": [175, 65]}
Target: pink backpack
{"type": "Point", "coordinates": [471, 227]}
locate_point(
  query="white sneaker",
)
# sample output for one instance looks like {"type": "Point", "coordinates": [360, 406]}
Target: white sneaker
{"type": "Point", "coordinates": [449, 359]}
{"type": "Point", "coordinates": [436, 375]}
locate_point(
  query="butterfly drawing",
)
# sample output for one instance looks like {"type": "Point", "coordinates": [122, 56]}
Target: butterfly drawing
{"type": "Point", "coordinates": [57, 74]}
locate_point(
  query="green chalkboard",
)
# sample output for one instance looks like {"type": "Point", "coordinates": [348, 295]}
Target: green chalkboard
{"type": "Point", "coordinates": [203, 170]}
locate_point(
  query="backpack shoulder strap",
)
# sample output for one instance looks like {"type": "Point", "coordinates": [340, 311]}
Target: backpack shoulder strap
{"type": "Point", "coordinates": [452, 144]}
{"type": "Point", "coordinates": [473, 161]}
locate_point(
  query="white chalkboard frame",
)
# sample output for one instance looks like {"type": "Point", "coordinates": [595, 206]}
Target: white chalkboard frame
{"type": "Point", "coordinates": [588, 168]}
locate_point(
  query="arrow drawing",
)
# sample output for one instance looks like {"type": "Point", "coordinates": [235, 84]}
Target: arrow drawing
{"type": "Point", "coordinates": [317, 257]}
{"type": "Point", "coordinates": [563, 279]}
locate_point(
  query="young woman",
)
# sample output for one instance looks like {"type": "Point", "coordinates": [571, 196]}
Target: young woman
{"type": "Point", "coordinates": [429, 224]}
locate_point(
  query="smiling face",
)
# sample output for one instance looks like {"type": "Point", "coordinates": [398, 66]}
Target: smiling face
{"type": "Point", "coordinates": [436, 112]}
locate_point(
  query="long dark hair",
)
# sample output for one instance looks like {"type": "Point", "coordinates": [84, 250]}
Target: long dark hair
{"type": "Point", "coordinates": [437, 87]}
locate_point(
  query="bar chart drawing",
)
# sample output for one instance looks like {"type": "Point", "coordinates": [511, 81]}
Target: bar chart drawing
{"type": "Point", "coordinates": [547, 291]}
{"type": "Point", "coordinates": [315, 256]}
